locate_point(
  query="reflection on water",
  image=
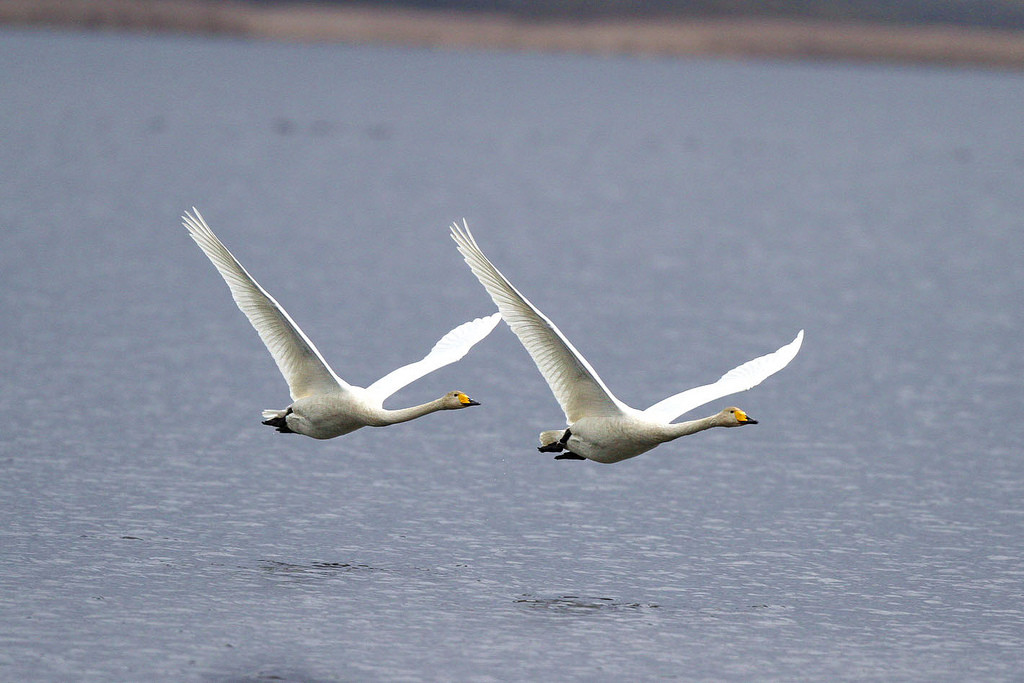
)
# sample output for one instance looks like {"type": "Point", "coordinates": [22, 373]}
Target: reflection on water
{"type": "Point", "coordinates": [571, 604]}
{"type": "Point", "coordinates": [313, 569]}
{"type": "Point", "coordinates": [285, 572]}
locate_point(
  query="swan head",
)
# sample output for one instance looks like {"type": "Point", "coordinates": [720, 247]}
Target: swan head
{"type": "Point", "coordinates": [735, 417]}
{"type": "Point", "coordinates": [455, 400]}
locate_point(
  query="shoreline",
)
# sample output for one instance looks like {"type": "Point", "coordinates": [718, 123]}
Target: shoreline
{"type": "Point", "coordinates": [730, 38]}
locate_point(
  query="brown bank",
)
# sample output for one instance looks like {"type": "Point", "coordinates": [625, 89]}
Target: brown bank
{"type": "Point", "coordinates": [720, 37]}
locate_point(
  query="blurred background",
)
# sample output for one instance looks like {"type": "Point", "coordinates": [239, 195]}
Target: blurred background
{"type": "Point", "coordinates": [944, 31]}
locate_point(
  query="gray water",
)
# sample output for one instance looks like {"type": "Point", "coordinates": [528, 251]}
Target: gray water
{"type": "Point", "coordinates": [674, 217]}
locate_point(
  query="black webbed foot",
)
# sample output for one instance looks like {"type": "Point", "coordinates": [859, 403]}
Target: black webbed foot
{"type": "Point", "coordinates": [569, 455]}
{"type": "Point", "coordinates": [280, 423]}
{"type": "Point", "coordinates": [557, 446]}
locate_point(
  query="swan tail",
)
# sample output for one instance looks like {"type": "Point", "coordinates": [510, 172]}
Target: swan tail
{"type": "Point", "coordinates": [277, 419]}
{"type": "Point", "coordinates": [551, 436]}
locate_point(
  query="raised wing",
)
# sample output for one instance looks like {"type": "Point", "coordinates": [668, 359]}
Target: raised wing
{"type": "Point", "coordinates": [303, 367]}
{"type": "Point", "coordinates": [741, 378]}
{"type": "Point", "coordinates": [576, 386]}
{"type": "Point", "coordinates": [450, 348]}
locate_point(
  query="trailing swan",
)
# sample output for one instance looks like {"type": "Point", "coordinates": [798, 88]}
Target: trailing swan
{"type": "Point", "coordinates": [600, 426]}
{"type": "Point", "coordinates": [324, 405]}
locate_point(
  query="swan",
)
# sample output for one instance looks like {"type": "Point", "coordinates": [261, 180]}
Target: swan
{"type": "Point", "coordinates": [324, 405]}
{"type": "Point", "coordinates": [600, 426]}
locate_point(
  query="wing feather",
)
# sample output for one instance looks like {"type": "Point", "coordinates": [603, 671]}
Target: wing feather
{"type": "Point", "coordinates": [450, 348]}
{"type": "Point", "coordinates": [575, 384]}
{"type": "Point", "coordinates": [740, 378]}
{"type": "Point", "coordinates": [297, 358]}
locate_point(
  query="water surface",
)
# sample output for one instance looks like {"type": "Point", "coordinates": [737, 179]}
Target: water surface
{"type": "Point", "coordinates": [674, 217]}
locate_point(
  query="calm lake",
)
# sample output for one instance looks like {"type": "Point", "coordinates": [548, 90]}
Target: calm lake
{"type": "Point", "coordinates": [674, 217]}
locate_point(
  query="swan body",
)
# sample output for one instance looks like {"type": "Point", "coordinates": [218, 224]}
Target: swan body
{"type": "Point", "coordinates": [324, 405]}
{"type": "Point", "coordinates": [600, 426]}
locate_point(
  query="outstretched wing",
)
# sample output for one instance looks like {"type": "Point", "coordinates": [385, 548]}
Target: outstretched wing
{"type": "Point", "coordinates": [450, 348]}
{"type": "Point", "coordinates": [303, 367]}
{"type": "Point", "coordinates": [741, 378]}
{"type": "Point", "coordinates": [576, 386]}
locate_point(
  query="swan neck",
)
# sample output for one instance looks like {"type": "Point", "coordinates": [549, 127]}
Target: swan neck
{"type": "Point", "coordinates": [678, 429]}
{"type": "Point", "coordinates": [391, 417]}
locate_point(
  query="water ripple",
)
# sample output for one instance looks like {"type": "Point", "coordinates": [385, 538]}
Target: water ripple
{"type": "Point", "coordinates": [578, 604]}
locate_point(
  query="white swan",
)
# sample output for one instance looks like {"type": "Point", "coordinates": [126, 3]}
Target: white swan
{"type": "Point", "coordinates": [600, 426]}
{"type": "Point", "coordinates": [324, 405]}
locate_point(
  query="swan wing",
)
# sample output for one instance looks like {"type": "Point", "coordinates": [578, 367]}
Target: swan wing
{"type": "Point", "coordinates": [576, 386]}
{"type": "Point", "coordinates": [449, 348]}
{"type": "Point", "coordinates": [741, 378]}
{"type": "Point", "coordinates": [303, 367]}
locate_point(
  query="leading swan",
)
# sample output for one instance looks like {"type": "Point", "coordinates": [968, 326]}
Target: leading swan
{"type": "Point", "coordinates": [324, 405]}
{"type": "Point", "coordinates": [601, 427]}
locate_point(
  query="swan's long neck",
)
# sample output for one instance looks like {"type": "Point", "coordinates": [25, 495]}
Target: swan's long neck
{"type": "Point", "coordinates": [678, 429]}
{"type": "Point", "coordinates": [390, 417]}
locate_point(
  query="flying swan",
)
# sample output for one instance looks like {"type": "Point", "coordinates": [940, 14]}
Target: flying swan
{"type": "Point", "coordinates": [324, 405]}
{"type": "Point", "coordinates": [601, 427]}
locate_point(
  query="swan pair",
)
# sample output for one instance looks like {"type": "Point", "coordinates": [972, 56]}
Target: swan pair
{"type": "Point", "coordinates": [600, 427]}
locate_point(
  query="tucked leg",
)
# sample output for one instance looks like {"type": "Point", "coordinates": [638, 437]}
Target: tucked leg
{"type": "Point", "coordinates": [557, 446]}
{"type": "Point", "coordinates": [280, 422]}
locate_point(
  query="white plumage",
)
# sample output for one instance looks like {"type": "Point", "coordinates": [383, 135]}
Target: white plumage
{"type": "Point", "coordinates": [324, 405]}
{"type": "Point", "coordinates": [600, 426]}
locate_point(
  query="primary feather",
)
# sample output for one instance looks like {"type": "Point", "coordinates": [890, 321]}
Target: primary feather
{"type": "Point", "coordinates": [575, 384]}
{"type": "Point", "coordinates": [740, 378]}
{"type": "Point", "coordinates": [296, 356]}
